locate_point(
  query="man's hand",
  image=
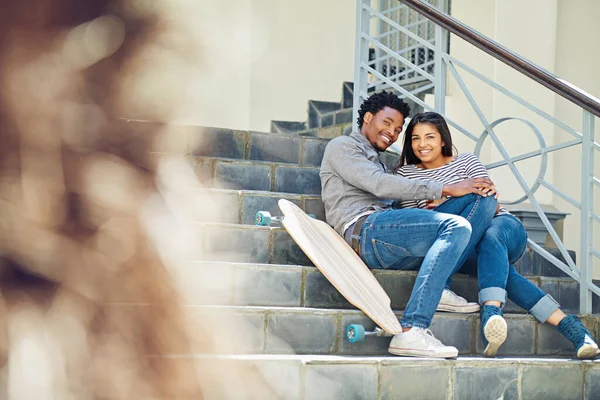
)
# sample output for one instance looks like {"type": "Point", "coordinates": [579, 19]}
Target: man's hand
{"type": "Point", "coordinates": [480, 186]}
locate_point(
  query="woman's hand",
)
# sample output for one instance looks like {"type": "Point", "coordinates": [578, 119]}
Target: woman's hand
{"type": "Point", "coordinates": [480, 186]}
{"type": "Point", "coordinates": [489, 192]}
{"type": "Point", "coordinates": [431, 204]}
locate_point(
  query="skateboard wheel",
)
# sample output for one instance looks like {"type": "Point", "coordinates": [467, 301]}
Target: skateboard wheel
{"type": "Point", "coordinates": [355, 333]}
{"type": "Point", "coordinates": [263, 218]}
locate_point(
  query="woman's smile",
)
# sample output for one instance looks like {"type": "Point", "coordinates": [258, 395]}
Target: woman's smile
{"type": "Point", "coordinates": [427, 144]}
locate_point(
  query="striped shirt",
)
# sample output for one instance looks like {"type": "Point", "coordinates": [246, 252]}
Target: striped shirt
{"type": "Point", "coordinates": [464, 166]}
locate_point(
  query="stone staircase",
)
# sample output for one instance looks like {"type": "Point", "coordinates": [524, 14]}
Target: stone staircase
{"type": "Point", "coordinates": [287, 322]}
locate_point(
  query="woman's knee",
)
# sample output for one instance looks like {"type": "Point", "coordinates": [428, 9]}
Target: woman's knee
{"type": "Point", "coordinates": [490, 202]}
{"type": "Point", "coordinates": [507, 231]}
{"type": "Point", "coordinates": [483, 208]}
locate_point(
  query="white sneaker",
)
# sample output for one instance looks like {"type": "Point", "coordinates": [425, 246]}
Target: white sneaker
{"type": "Point", "coordinates": [588, 350]}
{"type": "Point", "coordinates": [495, 332]}
{"type": "Point", "coordinates": [451, 302]}
{"type": "Point", "coordinates": [419, 342]}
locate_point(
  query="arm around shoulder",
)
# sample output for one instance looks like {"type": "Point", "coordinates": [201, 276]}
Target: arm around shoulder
{"type": "Point", "coordinates": [351, 164]}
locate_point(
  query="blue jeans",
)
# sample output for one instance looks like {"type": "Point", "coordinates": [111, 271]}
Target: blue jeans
{"type": "Point", "coordinates": [493, 262]}
{"type": "Point", "coordinates": [479, 211]}
{"type": "Point", "coordinates": [416, 239]}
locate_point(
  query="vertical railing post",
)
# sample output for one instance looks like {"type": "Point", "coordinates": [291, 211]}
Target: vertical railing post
{"type": "Point", "coordinates": [378, 53]}
{"type": "Point", "coordinates": [440, 70]}
{"type": "Point", "coordinates": [361, 57]}
{"type": "Point", "coordinates": [587, 204]}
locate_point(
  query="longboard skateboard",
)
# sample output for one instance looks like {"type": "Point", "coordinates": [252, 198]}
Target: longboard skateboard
{"type": "Point", "coordinates": [343, 268]}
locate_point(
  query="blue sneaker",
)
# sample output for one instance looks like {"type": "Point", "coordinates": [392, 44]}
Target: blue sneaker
{"type": "Point", "coordinates": [493, 329]}
{"type": "Point", "coordinates": [572, 328]}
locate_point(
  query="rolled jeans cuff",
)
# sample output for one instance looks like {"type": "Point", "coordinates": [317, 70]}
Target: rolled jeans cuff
{"type": "Point", "coordinates": [543, 309]}
{"type": "Point", "coordinates": [492, 294]}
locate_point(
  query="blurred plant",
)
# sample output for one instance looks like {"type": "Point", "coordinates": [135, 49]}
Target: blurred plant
{"type": "Point", "coordinates": [80, 196]}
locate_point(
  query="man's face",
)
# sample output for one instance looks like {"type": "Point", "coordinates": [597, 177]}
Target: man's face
{"type": "Point", "coordinates": [383, 128]}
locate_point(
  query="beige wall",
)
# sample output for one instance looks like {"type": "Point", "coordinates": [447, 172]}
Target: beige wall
{"type": "Point", "coordinates": [577, 55]}
{"type": "Point", "coordinates": [219, 91]}
{"type": "Point", "coordinates": [306, 52]}
{"type": "Point", "coordinates": [264, 59]}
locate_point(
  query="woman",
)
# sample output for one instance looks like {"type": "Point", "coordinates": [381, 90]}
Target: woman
{"type": "Point", "coordinates": [428, 153]}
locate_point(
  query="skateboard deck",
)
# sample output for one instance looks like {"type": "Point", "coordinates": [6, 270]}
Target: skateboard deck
{"type": "Point", "coordinates": [340, 265]}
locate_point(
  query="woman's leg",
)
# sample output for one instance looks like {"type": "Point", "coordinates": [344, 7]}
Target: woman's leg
{"type": "Point", "coordinates": [545, 309]}
{"type": "Point", "coordinates": [504, 239]}
{"type": "Point", "coordinates": [541, 305]}
{"type": "Point", "coordinates": [503, 243]}
{"type": "Point", "coordinates": [479, 211]}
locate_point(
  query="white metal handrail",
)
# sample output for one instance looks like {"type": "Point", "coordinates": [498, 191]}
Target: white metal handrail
{"type": "Point", "coordinates": [369, 75]}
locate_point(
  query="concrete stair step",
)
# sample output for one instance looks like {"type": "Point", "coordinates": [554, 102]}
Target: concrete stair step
{"type": "Point", "coordinates": [235, 144]}
{"type": "Point", "coordinates": [287, 126]}
{"type": "Point", "coordinates": [300, 330]}
{"type": "Point", "coordinates": [347, 94]}
{"type": "Point", "coordinates": [241, 206]}
{"type": "Point", "coordinates": [244, 243]}
{"type": "Point", "coordinates": [273, 245]}
{"type": "Point", "coordinates": [259, 146]}
{"type": "Point", "coordinates": [331, 119]}
{"type": "Point", "coordinates": [245, 284]}
{"type": "Point", "coordinates": [322, 113]}
{"type": "Point", "coordinates": [329, 132]}
{"type": "Point", "coordinates": [314, 377]}
{"type": "Point", "coordinates": [226, 173]}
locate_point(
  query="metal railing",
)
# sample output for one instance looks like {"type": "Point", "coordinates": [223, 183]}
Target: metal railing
{"type": "Point", "coordinates": [430, 75]}
{"type": "Point", "coordinates": [399, 44]}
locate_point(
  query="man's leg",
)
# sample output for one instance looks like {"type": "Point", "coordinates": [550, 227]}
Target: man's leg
{"type": "Point", "coordinates": [411, 239]}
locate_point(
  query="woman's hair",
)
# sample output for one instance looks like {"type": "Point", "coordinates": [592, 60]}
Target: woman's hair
{"type": "Point", "coordinates": [434, 119]}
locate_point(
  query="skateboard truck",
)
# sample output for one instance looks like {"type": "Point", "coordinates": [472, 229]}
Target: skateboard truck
{"type": "Point", "coordinates": [356, 333]}
{"type": "Point", "coordinates": [264, 218]}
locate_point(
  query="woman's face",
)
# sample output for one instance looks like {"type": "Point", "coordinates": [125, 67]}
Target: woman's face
{"type": "Point", "coordinates": [427, 145]}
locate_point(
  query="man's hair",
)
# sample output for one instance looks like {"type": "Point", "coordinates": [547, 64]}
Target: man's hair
{"type": "Point", "coordinates": [378, 102]}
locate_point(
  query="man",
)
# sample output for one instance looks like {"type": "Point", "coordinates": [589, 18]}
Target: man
{"type": "Point", "coordinates": [357, 192]}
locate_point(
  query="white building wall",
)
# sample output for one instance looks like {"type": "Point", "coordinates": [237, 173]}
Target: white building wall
{"type": "Point", "coordinates": [262, 60]}
{"type": "Point", "coordinates": [577, 55]}
{"type": "Point", "coordinates": [219, 86]}
{"type": "Point", "coordinates": [306, 51]}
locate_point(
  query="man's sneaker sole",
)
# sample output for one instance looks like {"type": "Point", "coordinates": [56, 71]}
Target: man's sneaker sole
{"type": "Point", "coordinates": [422, 353]}
{"type": "Point", "coordinates": [587, 351]}
{"type": "Point", "coordinates": [466, 309]}
{"type": "Point", "coordinates": [495, 332]}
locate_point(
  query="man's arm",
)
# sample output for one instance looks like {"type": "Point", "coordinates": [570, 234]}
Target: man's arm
{"type": "Point", "coordinates": [351, 164]}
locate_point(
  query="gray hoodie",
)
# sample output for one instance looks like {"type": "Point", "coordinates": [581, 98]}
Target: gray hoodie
{"type": "Point", "coordinates": [355, 182]}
